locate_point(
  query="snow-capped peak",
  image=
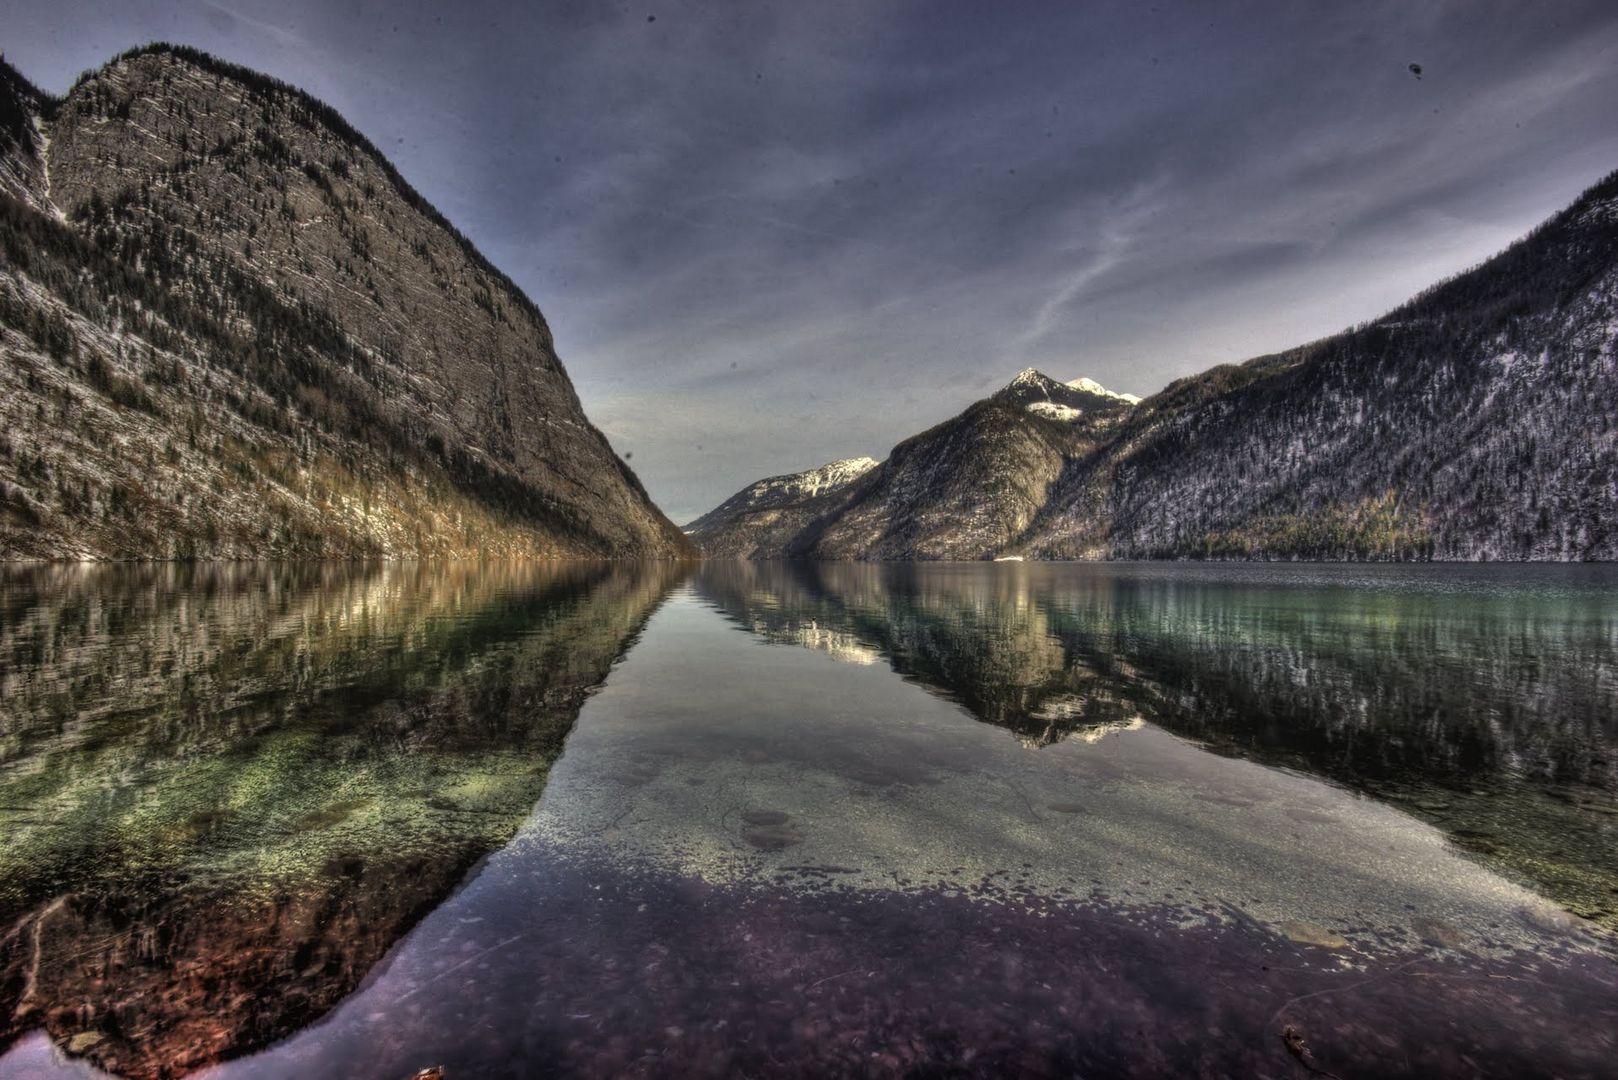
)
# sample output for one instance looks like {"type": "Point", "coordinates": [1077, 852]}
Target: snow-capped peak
{"type": "Point", "coordinates": [812, 481]}
{"type": "Point", "coordinates": [1036, 381]}
{"type": "Point", "coordinates": [1090, 386]}
{"type": "Point", "coordinates": [1031, 377]}
{"type": "Point", "coordinates": [778, 491]}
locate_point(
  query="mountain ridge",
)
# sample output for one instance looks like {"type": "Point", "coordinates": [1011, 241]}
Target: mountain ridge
{"type": "Point", "coordinates": [768, 511]}
{"type": "Point", "coordinates": [1476, 421]}
{"type": "Point", "coordinates": [207, 268]}
{"type": "Point", "coordinates": [938, 494]}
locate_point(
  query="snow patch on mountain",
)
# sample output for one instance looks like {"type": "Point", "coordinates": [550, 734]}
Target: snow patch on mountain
{"type": "Point", "coordinates": [774, 492]}
{"type": "Point", "coordinates": [1030, 377]}
{"type": "Point", "coordinates": [1031, 384]}
{"type": "Point", "coordinates": [1090, 386]}
{"type": "Point", "coordinates": [832, 475]}
{"type": "Point", "coordinates": [1052, 411]}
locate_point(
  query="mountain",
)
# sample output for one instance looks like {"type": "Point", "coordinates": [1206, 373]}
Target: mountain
{"type": "Point", "coordinates": [1040, 394]}
{"type": "Point", "coordinates": [965, 489]}
{"type": "Point", "coordinates": [765, 515]}
{"type": "Point", "coordinates": [1479, 421]}
{"type": "Point", "coordinates": [231, 329]}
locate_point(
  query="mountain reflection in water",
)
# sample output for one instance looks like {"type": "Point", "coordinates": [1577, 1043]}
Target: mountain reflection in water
{"type": "Point", "coordinates": [1108, 820]}
{"type": "Point", "coordinates": [1483, 699]}
{"type": "Point", "coordinates": [225, 792]}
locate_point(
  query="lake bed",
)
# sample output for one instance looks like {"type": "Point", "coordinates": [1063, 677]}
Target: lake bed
{"type": "Point", "coordinates": [777, 819]}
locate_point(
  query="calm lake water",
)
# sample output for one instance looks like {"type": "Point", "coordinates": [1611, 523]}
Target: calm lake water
{"type": "Point", "coordinates": [792, 820]}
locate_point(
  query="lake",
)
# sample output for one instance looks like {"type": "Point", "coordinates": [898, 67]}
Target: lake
{"type": "Point", "coordinates": [752, 819]}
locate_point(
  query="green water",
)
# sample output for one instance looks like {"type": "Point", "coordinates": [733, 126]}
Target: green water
{"type": "Point", "coordinates": [228, 794]}
{"type": "Point", "coordinates": [1482, 699]}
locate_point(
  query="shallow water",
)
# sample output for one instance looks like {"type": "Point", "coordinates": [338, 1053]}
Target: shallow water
{"type": "Point", "coordinates": [958, 820]}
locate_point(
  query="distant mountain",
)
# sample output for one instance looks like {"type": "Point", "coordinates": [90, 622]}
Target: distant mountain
{"type": "Point", "coordinates": [1477, 421]}
{"type": "Point", "coordinates": [965, 489]}
{"type": "Point", "coordinates": [229, 328]}
{"type": "Point", "coordinates": [767, 514]}
{"type": "Point", "coordinates": [1044, 396]}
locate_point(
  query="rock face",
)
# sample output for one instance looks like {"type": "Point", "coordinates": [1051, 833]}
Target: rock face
{"type": "Point", "coordinates": [1478, 421]}
{"type": "Point", "coordinates": [230, 328]}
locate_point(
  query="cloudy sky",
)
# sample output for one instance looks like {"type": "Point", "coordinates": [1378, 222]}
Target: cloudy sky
{"type": "Point", "coordinates": [768, 235]}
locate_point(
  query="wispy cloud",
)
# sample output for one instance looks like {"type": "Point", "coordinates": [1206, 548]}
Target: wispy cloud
{"type": "Point", "coordinates": [265, 29]}
{"type": "Point", "coordinates": [1115, 228]}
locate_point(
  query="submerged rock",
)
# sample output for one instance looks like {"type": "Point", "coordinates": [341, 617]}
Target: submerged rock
{"type": "Point", "coordinates": [1438, 932]}
{"type": "Point", "coordinates": [83, 1041]}
{"type": "Point", "coordinates": [772, 837]}
{"type": "Point", "coordinates": [1308, 933]}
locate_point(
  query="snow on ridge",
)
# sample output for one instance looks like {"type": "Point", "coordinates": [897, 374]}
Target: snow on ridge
{"type": "Point", "coordinates": [1052, 411]}
{"type": "Point", "coordinates": [833, 474]}
{"type": "Point", "coordinates": [1031, 376]}
{"type": "Point", "coordinates": [1090, 386]}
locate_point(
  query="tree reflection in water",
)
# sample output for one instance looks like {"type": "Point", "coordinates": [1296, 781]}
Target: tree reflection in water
{"type": "Point", "coordinates": [227, 791]}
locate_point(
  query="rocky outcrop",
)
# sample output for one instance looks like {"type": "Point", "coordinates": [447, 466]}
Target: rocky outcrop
{"type": "Point", "coordinates": [230, 328]}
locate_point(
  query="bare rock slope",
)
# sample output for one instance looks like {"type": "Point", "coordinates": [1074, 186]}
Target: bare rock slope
{"type": "Point", "coordinates": [231, 329]}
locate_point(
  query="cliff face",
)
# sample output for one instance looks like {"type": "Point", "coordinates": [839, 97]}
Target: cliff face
{"type": "Point", "coordinates": [231, 329]}
{"type": "Point", "coordinates": [1478, 421]}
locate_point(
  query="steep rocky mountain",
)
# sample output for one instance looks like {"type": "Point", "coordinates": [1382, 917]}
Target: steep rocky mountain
{"type": "Point", "coordinates": [230, 328]}
{"type": "Point", "coordinates": [964, 489]}
{"type": "Point", "coordinates": [1477, 421]}
{"type": "Point", "coordinates": [765, 516]}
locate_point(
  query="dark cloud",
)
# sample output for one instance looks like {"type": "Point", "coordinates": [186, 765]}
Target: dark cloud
{"type": "Point", "coordinates": [792, 232]}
